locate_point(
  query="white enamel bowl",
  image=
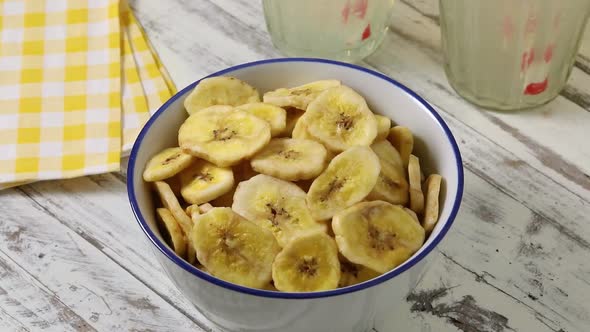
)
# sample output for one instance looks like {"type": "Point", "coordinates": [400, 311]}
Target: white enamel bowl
{"type": "Point", "coordinates": [354, 308]}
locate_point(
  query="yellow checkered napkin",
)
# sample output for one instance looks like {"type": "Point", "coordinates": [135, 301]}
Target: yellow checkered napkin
{"type": "Point", "coordinates": [77, 82]}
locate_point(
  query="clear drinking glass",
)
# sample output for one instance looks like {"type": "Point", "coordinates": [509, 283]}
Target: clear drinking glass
{"type": "Point", "coordinates": [346, 30]}
{"type": "Point", "coordinates": [508, 54]}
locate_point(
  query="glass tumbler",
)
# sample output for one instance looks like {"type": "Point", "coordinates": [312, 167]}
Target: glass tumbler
{"type": "Point", "coordinates": [507, 54]}
{"type": "Point", "coordinates": [346, 30]}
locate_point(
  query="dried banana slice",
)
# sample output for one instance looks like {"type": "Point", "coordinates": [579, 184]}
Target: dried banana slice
{"type": "Point", "coordinates": [203, 181]}
{"type": "Point", "coordinates": [386, 152]}
{"type": "Point", "coordinates": [189, 209]}
{"type": "Point", "coordinates": [416, 195]}
{"type": "Point", "coordinates": [383, 127]}
{"type": "Point", "coordinates": [276, 205]}
{"type": "Point", "coordinates": [171, 231]}
{"type": "Point", "coordinates": [223, 137]}
{"type": "Point", "coordinates": [352, 274]}
{"type": "Point", "coordinates": [340, 118]}
{"type": "Point", "coordinates": [412, 214]}
{"type": "Point", "coordinates": [233, 248]}
{"type": "Point", "coordinates": [300, 130]}
{"type": "Point", "coordinates": [432, 185]}
{"type": "Point", "coordinates": [308, 263]}
{"type": "Point", "coordinates": [204, 208]}
{"type": "Point", "coordinates": [166, 164]}
{"type": "Point", "coordinates": [348, 179]}
{"type": "Point", "coordinates": [242, 172]}
{"type": "Point", "coordinates": [391, 185]}
{"type": "Point", "coordinates": [274, 115]}
{"type": "Point", "coordinates": [293, 116]}
{"type": "Point", "coordinates": [300, 96]}
{"type": "Point", "coordinates": [403, 141]}
{"type": "Point", "coordinates": [377, 234]}
{"type": "Point", "coordinates": [220, 90]}
{"type": "Point", "coordinates": [290, 159]}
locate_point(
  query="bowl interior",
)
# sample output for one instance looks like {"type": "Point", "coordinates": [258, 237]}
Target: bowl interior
{"type": "Point", "coordinates": [434, 144]}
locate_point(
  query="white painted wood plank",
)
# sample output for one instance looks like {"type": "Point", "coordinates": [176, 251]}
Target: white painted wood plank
{"type": "Point", "coordinates": [10, 323]}
{"type": "Point", "coordinates": [62, 276]}
{"type": "Point", "coordinates": [97, 208]}
{"type": "Point", "coordinates": [27, 304]}
{"type": "Point", "coordinates": [445, 301]}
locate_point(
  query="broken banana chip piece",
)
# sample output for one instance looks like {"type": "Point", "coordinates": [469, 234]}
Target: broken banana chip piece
{"type": "Point", "coordinates": [223, 137]}
{"type": "Point", "coordinates": [432, 186]}
{"type": "Point", "coordinates": [403, 140]}
{"type": "Point", "coordinates": [172, 231]}
{"type": "Point", "coordinates": [391, 185]}
{"type": "Point", "coordinates": [352, 274]}
{"type": "Point", "coordinates": [416, 194]}
{"type": "Point", "coordinates": [171, 203]}
{"type": "Point", "coordinates": [274, 115]}
{"type": "Point", "coordinates": [383, 127]}
{"type": "Point", "coordinates": [220, 91]}
{"type": "Point", "coordinates": [377, 234]}
{"type": "Point", "coordinates": [299, 96]}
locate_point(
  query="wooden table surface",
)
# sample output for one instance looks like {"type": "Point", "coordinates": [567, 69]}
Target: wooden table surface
{"type": "Point", "coordinates": [72, 257]}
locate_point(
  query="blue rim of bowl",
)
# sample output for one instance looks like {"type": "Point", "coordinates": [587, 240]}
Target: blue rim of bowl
{"type": "Point", "coordinates": [285, 295]}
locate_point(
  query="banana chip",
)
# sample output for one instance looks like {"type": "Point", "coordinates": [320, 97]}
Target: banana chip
{"type": "Point", "coordinates": [233, 248]}
{"type": "Point", "coordinates": [291, 159]}
{"type": "Point", "coordinates": [171, 203]}
{"type": "Point", "coordinates": [172, 231]}
{"type": "Point", "coordinates": [377, 235]}
{"type": "Point", "coordinates": [340, 118]}
{"type": "Point", "coordinates": [308, 263]}
{"type": "Point", "coordinates": [403, 140]}
{"type": "Point", "coordinates": [166, 164]}
{"type": "Point", "coordinates": [300, 96]}
{"type": "Point", "coordinates": [416, 195]}
{"type": "Point", "coordinates": [432, 185]}
{"type": "Point", "coordinates": [220, 91]}
{"type": "Point", "coordinates": [383, 127]}
{"type": "Point", "coordinates": [223, 137]}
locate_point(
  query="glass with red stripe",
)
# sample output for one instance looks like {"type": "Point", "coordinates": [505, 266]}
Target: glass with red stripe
{"type": "Point", "coordinates": [345, 30]}
{"type": "Point", "coordinates": [508, 54]}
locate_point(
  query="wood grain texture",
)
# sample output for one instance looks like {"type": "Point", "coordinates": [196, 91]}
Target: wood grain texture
{"type": "Point", "coordinates": [73, 258]}
{"type": "Point", "coordinates": [57, 278]}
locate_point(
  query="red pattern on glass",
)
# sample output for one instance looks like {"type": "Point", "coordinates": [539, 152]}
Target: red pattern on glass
{"type": "Point", "coordinates": [367, 32]}
{"type": "Point", "coordinates": [360, 8]}
{"type": "Point", "coordinates": [536, 88]}
{"type": "Point", "coordinates": [548, 53]}
{"type": "Point", "coordinates": [527, 59]}
{"type": "Point", "coordinates": [345, 12]}
{"type": "Point", "coordinates": [508, 27]}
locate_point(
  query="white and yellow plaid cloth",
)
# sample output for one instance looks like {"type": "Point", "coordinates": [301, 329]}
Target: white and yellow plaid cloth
{"type": "Point", "coordinates": [78, 80]}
